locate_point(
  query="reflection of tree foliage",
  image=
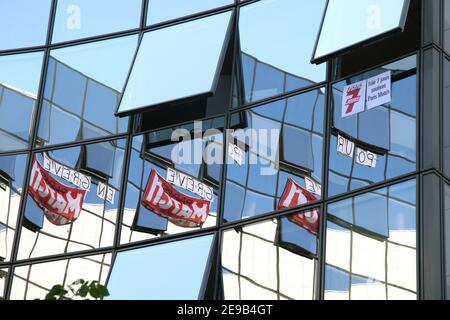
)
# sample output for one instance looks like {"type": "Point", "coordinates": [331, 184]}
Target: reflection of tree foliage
{"type": "Point", "coordinates": [79, 289]}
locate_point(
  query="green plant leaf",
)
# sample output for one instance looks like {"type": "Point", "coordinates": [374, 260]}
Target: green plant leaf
{"type": "Point", "coordinates": [57, 291]}
{"type": "Point", "coordinates": [83, 290]}
{"type": "Point", "coordinates": [97, 291]}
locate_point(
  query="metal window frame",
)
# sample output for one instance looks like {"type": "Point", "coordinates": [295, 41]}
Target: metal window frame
{"type": "Point", "coordinates": [218, 230]}
{"type": "Point", "coordinates": [328, 56]}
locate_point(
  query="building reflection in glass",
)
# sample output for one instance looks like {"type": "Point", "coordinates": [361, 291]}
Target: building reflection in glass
{"type": "Point", "coordinates": [291, 148]}
{"type": "Point", "coordinates": [12, 171]}
{"type": "Point", "coordinates": [389, 131]}
{"type": "Point", "coordinates": [19, 85]}
{"type": "Point", "coordinates": [95, 226]}
{"type": "Point", "coordinates": [3, 275]}
{"type": "Point", "coordinates": [82, 91]}
{"type": "Point", "coordinates": [264, 71]}
{"type": "Point", "coordinates": [371, 245]}
{"type": "Point", "coordinates": [153, 151]}
{"type": "Point", "coordinates": [273, 260]}
{"type": "Point", "coordinates": [35, 281]}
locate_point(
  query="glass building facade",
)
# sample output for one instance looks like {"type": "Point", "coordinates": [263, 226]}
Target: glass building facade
{"type": "Point", "coordinates": [268, 187]}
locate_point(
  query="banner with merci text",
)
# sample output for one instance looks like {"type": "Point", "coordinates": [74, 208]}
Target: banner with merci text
{"type": "Point", "coordinates": [182, 210]}
{"type": "Point", "coordinates": [61, 204]}
{"type": "Point", "coordinates": [295, 195]}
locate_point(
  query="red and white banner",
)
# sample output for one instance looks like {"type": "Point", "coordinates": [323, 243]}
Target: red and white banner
{"type": "Point", "coordinates": [354, 98]}
{"type": "Point", "coordinates": [293, 196]}
{"type": "Point", "coordinates": [181, 209]}
{"type": "Point", "coordinates": [61, 204]}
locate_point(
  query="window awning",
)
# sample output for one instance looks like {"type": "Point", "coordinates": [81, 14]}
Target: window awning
{"type": "Point", "coordinates": [350, 23]}
{"type": "Point", "coordinates": [177, 62]}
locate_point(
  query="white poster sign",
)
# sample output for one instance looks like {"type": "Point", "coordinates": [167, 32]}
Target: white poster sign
{"type": "Point", "coordinates": [379, 90]}
{"type": "Point", "coordinates": [78, 179]}
{"type": "Point", "coordinates": [188, 183]}
{"type": "Point", "coordinates": [105, 192]}
{"type": "Point", "coordinates": [354, 98]}
{"type": "Point", "coordinates": [366, 158]}
{"type": "Point", "coordinates": [345, 146]}
{"type": "Point", "coordinates": [313, 186]}
{"type": "Point", "coordinates": [236, 153]}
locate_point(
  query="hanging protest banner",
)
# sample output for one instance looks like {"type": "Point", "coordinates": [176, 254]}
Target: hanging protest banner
{"type": "Point", "coordinates": [366, 158]}
{"type": "Point", "coordinates": [61, 204]}
{"type": "Point", "coordinates": [345, 146]}
{"type": "Point", "coordinates": [293, 196]}
{"type": "Point", "coordinates": [183, 210]}
{"type": "Point", "coordinates": [379, 90]}
{"type": "Point", "coordinates": [78, 179]}
{"type": "Point", "coordinates": [190, 184]}
{"type": "Point", "coordinates": [354, 98]}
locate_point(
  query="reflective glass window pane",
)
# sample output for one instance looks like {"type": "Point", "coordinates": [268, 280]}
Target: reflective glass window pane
{"type": "Point", "coordinates": [156, 272]}
{"type": "Point", "coordinates": [183, 166]}
{"type": "Point", "coordinates": [19, 85]}
{"type": "Point", "coordinates": [12, 175]}
{"type": "Point", "coordinates": [373, 246]}
{"type": "Point", "coordinates": [343, 27]}
{"type": "Point", "coordinates": [3, 275]}
{"type": "Point", "coordinates": [337, 286]}
{"type": "Point", "coordinates": [387, 131]}
{"type": "Point", "coordinates": [163, 10]}
{"type": "Point", "coordinates": [275, 259]}
{"type": "Point", "coordinates": [447, 25]}
{"type": "Point", "coordinates": [35, 281]}
{"type": "Point", "coordinates": [281, 145]}
{"type": "Point", "coordinates": [85, 215]}
{"type": "Point", "coordinates": [446, 128]}
{"type": "Point", "coordinates": [82, 90]}
{"type": "Point", "coordinates": [290, 26]}
{"type": "Point", "coordinates": [76, 19]}
{"type": "Point", "coordinates": [447, 238]}
{"type": "Point", "coordinates": [168, 58]}
{"type": "Point", "coordinates": [23, 23]}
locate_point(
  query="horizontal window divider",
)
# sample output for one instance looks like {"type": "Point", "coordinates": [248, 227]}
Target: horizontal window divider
{"type": "Point", "coordinates": [108, 36]}
{"type": "Point", "coordinates": [167, 239]}
{"type": "Point", "coordinates": [282, 96]}
{"type": "Point", "coordinates": [191, 17]}
{"type": "Point", "coordinates": [15, 152]}
{"type": "Point", "coordinates": [68, 145]}
{"type": "Point", "coordinates": [263, 287]}
{"type": "Point", "coordinates": [61, 256]}
{"type": "Point", "coordinates": [337, 80]}
{"type": "Point", "coordinates": [352, 274]}
{"type": "Point", "coordinates": [22, 50]}
{"type": "Point", "coordinates": [375, 186]}
{"type": "Point", "coordinates": [270, 215]}
{"type": "Point", "coordinates": [181, 124]}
